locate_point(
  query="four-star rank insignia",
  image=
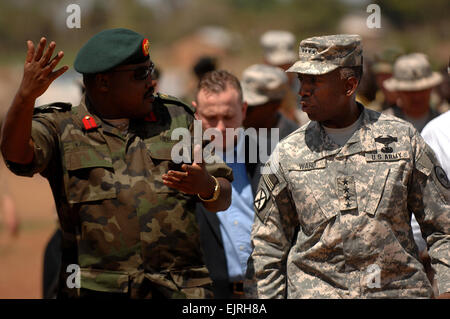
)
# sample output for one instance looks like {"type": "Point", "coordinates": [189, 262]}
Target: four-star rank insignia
{"type": "Point", "coordinates": [260, 199]}
{"type": "Point", "coordinates": [347, 193]}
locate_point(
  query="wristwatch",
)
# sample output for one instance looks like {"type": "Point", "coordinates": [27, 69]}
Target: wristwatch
{"type": "Point", "coordinates": [215, 194]}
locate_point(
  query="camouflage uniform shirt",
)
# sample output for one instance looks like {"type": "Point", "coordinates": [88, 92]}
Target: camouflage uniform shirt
{"type": "Point", "coordinates": [127, 231]}
{"type": "Point", "coordinates": [334, 222]}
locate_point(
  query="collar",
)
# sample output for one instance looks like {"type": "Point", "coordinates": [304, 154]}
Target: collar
{"type": "Point", "coordinates": [322, 146]}
{"type": "Point", "coordinates": [87, 115]}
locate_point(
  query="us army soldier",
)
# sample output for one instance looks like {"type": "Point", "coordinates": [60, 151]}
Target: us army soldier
{"type": "Point", "coordinates": [334, 214]}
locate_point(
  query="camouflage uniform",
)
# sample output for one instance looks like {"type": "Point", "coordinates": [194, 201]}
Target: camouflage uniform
{"type": "Point", "coordinates": [331, 212]}
{"type": "Point", "coordinates": [127, 231]}
{"type": "Point", "coordinates": [329, 215]}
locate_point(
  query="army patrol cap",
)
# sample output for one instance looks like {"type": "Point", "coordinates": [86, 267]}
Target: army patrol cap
{"type": "Point", "coordinates": [320, 55]}
{"type": "Point", "coordinates": [111, 48]}
{"type": "Point", "coordinates": [278, 47]}
{"type": "Point", "coordinates": [263, 83]}
{"type": "Point", "coordinates": [412, 72]}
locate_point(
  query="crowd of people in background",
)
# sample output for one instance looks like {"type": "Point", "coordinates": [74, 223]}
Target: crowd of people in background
{"type": "Point", "coordinates": [266, 96]}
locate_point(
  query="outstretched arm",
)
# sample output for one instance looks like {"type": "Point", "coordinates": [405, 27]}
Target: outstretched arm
{"type": "Point", "coordinates": [38, 74]}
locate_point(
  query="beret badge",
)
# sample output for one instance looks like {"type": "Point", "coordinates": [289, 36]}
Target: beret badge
{"type": "Point", "coordinates": [145, 46]}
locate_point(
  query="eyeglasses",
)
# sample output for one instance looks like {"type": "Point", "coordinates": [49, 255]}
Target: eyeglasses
{"type": "Point", "coordinates": [140, 73]}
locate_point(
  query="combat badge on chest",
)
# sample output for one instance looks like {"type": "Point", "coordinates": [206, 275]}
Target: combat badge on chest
{"type": "Point", "coordinates": [387, 153]}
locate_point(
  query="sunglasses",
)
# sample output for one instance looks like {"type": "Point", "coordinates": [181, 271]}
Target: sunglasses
{"type": "Point", "coordinates": [140, 73]}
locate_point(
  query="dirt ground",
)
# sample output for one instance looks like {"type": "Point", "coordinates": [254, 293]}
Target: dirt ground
{"type": "Point", "coordinates": [21, 258]}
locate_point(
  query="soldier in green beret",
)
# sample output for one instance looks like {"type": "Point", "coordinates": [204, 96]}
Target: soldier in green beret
{"type": "Point", "coordinates": [125, 208]}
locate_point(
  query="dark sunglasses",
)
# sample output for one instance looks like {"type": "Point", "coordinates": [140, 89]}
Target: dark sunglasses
{"type": "Point", "coordinates": [140, 73]}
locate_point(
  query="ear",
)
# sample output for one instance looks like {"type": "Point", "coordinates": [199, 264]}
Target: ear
{"type": "Point", "coordinates": [102, 81]}
{"type": "Point", "coordinates": [244, 110]}
{"type": "Point", "coordinates": [195, 106]}
{"type": "Point", "coordinates": [351, 84]}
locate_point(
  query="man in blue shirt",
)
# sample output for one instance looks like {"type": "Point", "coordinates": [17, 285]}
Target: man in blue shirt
{"type": "Point", "coordinates": [222, 104]}
{"type": "Point", "coordinates": [225, 236]}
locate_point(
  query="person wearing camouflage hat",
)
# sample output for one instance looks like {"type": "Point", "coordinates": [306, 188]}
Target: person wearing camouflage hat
{"type": "Point", "coordinates": [413, 81]}
{"type": "Point", "coordinates": [263, 88]}
{"type": "Point", "coordinates": [278, 47]}
{"type": "Point", "coordinates": [126, 209]}
{"type": "Point", "coordinates": [279, 51]}
{"type": "Point", "coordinates": [382, 69]}
{"type": "Point", "coordinates": [333, 213]}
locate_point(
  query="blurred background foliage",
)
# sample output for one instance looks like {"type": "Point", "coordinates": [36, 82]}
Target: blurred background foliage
{"type": "Point", "coordinates": [414, 25]}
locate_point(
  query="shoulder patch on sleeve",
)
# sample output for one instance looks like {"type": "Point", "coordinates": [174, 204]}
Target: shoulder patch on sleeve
{"type": "Point", "coordinates": [271, 181]}
{"type": "Point", "coordinates": [425, 162]}
{"type": "Point", "coordinates": [429, 165]}
{"type": "Point", "coordinates": [52, 107]}
{"type": "Point", "coordinates": [442, 177]}
{"type": "Point", "coordinates": [260, 199]}
{"type": "Point", "coordinates": [265, 196]}
{"type": "Point", "coordinates": [168, 99]}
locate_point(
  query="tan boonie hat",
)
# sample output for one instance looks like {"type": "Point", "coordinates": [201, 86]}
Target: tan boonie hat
{"type": "Point", "coordinates": [320, 55]}
{"type": "Point", "coordinates": [263, 83]}
{"type": "Point", "coordinates": [278, 47]}
{"type": "Point", "coordinates": [412, 72]}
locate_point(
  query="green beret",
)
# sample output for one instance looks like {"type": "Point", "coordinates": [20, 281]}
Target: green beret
{"type": "Point", "coordinates": [111, 48]}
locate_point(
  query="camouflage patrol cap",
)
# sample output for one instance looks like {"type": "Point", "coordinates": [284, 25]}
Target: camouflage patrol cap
{"type": "Point", "coordinates": [263, 83]}
{"type": "Point", "coordinates": [111, 48]}
{"type": "Point", "coordinates": [278, 47]}
{"type": "Point", "coordinates": [320, 55]}
{"type": "Point", "coordinates": [412, 72]}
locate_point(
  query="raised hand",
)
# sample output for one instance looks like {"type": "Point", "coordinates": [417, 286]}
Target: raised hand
{"type": "Point", "coordinates": [38, 71]}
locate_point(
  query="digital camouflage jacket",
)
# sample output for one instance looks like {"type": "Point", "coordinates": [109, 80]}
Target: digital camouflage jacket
{"type": "Point", "coordinates": [335, 222]}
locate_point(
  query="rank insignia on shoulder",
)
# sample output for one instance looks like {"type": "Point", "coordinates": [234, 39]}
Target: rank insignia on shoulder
{"type": "Point", "coordinates": [442, 177]}
{"type": "Point", "coordinates": [89, 123]}
{"type": "Point", "coordinates": [260, 199]}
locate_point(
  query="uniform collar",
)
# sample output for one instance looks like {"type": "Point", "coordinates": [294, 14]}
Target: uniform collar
{"type": "Point", "coordinates": [322, 146]}
{"type": "Point", "coordinates": [86, 110]}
